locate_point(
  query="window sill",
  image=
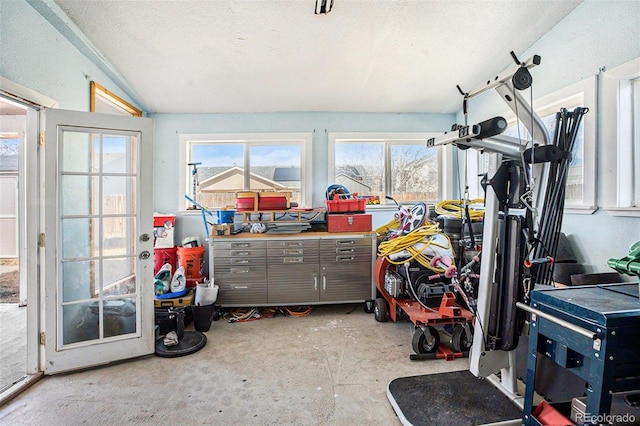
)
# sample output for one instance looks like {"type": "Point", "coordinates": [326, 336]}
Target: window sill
{"type": "Point", "coordinates": [580, 209]}
{"type": "Point", "coordinates": [623, 211]}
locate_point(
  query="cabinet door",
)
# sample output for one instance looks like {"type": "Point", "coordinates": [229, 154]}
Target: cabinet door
{"type": "Point", "coordinates": [293, 271]}
{"type": "Point", "coordinates": [345, 270]}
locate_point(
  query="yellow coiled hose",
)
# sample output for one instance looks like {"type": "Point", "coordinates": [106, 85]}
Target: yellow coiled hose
{"type": "Point", "coordinates": [455, 208]}
{"type": "Point", "coordinates": [423, 235]}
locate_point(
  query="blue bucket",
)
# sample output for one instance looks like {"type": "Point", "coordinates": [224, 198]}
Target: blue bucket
{"type": "Point", "coordinates": [226, 216]}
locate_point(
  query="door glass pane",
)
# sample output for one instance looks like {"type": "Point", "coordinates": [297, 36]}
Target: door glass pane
{"type": "Point", "coordinates": [98, 234]}
{"type": "Point", "coordinates": [119, 154]}
{"type": "Point", "coordinates": [119, 195]}
{"type": "Point", "coordinates": [77, 194]}
{"type": "Point", "coordinates": [79, 238]}
{"type": "Point", "coordinates": [118, 236]}
{"type": "Point", "coordinates": [119, 276]}
{"type": "Point", "coordinates": [76, 150]}
{"type": "Point", "coordinates": [80, 323]}
{"type": "Point", "coordinates": [79, 280]}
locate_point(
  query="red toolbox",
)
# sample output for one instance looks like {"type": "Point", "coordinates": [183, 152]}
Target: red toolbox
{"type": "Point", "coordinates": [348, 222]}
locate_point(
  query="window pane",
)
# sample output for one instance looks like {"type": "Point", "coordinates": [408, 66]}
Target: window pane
{"type": "Point", "coordinates": [220, 175]}
{"type": "Point", "coordinates": [414, 173]}
{"type": "Point", "coordinates": [275, 168]}
{"type": "Point", "coordinates": [575, 175]}
{"type": "Point", "coordinates": [359, 167]}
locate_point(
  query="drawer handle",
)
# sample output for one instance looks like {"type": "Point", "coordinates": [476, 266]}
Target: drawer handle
{"type": "Point", "coordinates": [292, 244]}
{"type": "Point", "coordinates": [239, 253]}
{"type": "Point", "coordinates": [292, 251]}
{"type": "Point", "coordinates": [344, 258]}
{"type": "Point", "coordinates": [239, 287]}
{"type": "Point", "coordinates": [346, 242]}
{"type": "Point", "coordinates": [345, 250]}
{"type": "Point", "coordinates": [239, 261]}
{"type": "Point", "coordinates": [238, 245]}
{"type": "Point", "coordinates": [239, 270]}
{"type": "Point", "coordinates": [292, 260]}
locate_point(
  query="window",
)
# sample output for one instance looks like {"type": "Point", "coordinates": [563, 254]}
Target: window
{"type": "Point", "coordinates": [103, 101]}
{"type": "Point", "coordinates": [396, 165]}
{"type": "Point", "coordinates": [217, 166]}
{"type": "Point", "coordinates": [621, 137]}
{"type": "Point", "coordinates": [580, 189]}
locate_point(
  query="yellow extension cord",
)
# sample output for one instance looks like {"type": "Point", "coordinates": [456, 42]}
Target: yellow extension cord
{"type": "Point", "coordinates": [422, 235]}
{"type": "Point", "coordinates": [455, 208]}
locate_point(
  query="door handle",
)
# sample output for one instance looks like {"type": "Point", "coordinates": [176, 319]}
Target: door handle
{"type": "Point", "coordinates": [315, 282]}
{"type": "Point", "coordinates": [324, 282]}
{"type": "Point", "coordinates": [145, 255]}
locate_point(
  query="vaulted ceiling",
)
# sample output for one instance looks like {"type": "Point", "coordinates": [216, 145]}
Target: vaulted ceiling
{"type": "Point", "coordinates": [278, 55]}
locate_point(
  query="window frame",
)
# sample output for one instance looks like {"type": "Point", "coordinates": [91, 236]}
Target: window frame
{"type": "Point", "coordinates": [302, 139]}
{"type": "Point", "coordinates": [443, 155]}
{"type": "Point", "coordinates": [619, 116]}
{"type": "Point", "coordinates": [99, 92]}
{"type": "Point", "coordinates": [580, 93]}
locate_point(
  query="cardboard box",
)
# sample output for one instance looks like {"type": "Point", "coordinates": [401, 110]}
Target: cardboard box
{"type": "Point", "coordinates": [163, 230]}
{"type": "Point", "coordinates": [348, 222]}
{"type": "Point", "coordinates": [223, 229]}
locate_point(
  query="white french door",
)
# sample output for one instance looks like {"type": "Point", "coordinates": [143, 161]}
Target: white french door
{"type": "Point", "coordinates": [97, 243]}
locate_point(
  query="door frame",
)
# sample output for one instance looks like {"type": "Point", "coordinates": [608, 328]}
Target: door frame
{"type": "Point", "coordinates": [28, 224]}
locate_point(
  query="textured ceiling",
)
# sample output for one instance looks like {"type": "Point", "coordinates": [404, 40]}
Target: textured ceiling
{"type": "Point", "coordinates": [277, 55]}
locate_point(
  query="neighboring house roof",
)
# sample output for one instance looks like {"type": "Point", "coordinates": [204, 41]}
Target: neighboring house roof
{"type": "Point", "coordinates": [353, 185]}
{"type": "Point", "coordinates": [350, 171]}
{"type": "Point", "coordinates": [286, 174]}
{"type": "Point", "coordinates": [232, 179]}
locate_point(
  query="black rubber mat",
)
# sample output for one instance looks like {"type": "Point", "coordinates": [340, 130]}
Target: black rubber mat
{"type": "Point", "coordinates": [446, 399]}
{"type": "Point", "coordinates": [192, 342]}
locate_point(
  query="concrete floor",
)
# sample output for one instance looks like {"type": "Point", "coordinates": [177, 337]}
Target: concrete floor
{"type": "Point", "coordinates": [329, 368]}
{"type": "Point", "coordinates": [13, 330]}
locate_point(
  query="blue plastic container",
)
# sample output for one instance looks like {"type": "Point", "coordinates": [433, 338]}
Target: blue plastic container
{"type": "Point", "coordinates": [226, 216]}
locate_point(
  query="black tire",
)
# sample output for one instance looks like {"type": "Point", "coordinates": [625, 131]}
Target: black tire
{"type": "Point", "coordinates": [368, 306]}
{"type": "Point", "coordinates": [459, 340]}
{"type": "Point", "coordinates": [380, 310]}
{"type": "Point", "coordinates": [425, 343]}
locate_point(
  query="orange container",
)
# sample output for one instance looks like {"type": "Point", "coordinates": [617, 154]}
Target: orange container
{"type": "Point", "coordinates": [162, 256]}
{"type": "Point", "coordinates": [192, 260]}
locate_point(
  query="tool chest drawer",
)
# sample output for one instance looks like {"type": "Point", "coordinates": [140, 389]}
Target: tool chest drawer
{"type": "Point", "coordinates": [346, 250]}
{"type": "Point", "coordinates": [241, 285]}
{"type": "Point", "coordinates": [295, 249]}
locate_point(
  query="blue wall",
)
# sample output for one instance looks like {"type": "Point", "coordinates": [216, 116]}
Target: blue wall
{"type": "Point", "coordinates": [34, 54]}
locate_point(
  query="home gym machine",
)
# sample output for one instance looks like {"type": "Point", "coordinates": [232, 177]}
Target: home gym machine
{"type": "Point", "coordinates": [524, 190]}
